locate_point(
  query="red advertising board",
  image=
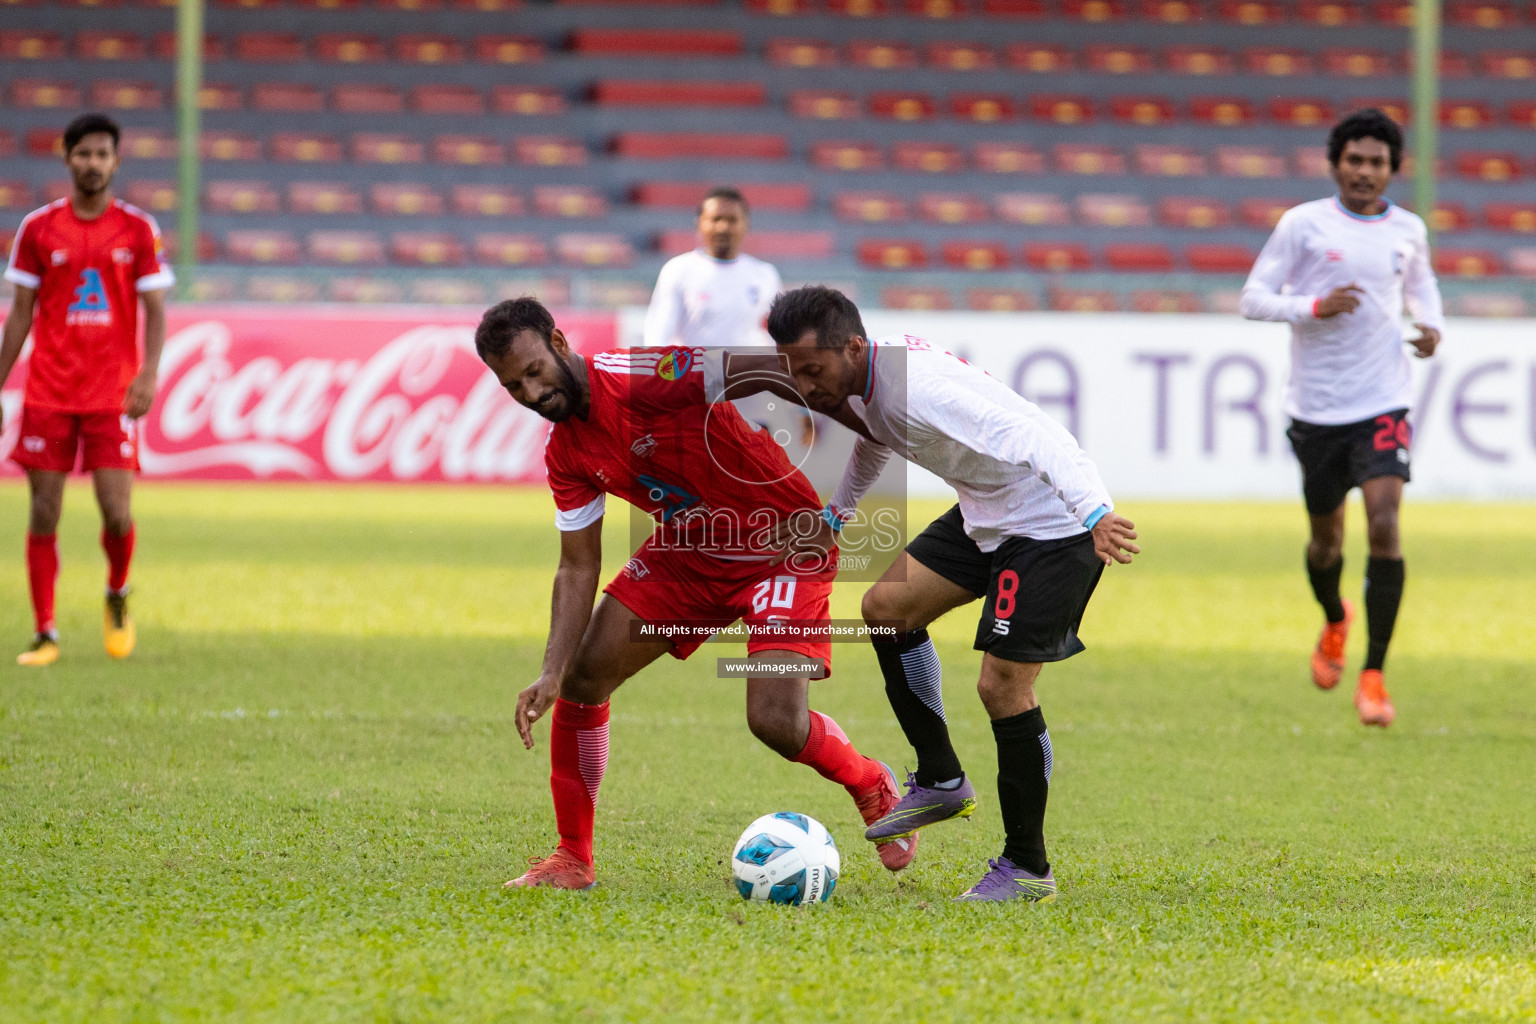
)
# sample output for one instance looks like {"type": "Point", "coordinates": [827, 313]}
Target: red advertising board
{"type": "Point", "coordinates": [332, 394]}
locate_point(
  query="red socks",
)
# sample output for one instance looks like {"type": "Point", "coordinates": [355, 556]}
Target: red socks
{"type": "Point", "coordinates": [828, 751]}
{"type": "Point", "coordinates": [119, 553]}
{"type": "Point", "coordinates": [578, 755]}
{"type": "Point", "coordinates": [42, 571]}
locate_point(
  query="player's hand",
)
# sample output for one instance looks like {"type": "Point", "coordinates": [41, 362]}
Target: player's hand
{"type": "Point", "coordinates": [1340, 300]}
{"type": "Point", "coordinates": [793, 539]}
{"type": "Point", "coordinates": [1112, 537]}
{"type": "Point", "coordinates": [141, 395]}
{"type": "Point", "coordinates": [531, 705]}
{"type": "Point", "coordinates": [1425, 344]}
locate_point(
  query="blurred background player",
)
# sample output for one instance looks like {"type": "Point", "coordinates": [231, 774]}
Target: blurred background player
{"type": "Point", "coordinates": [632, 423]}
{"type": "Point", "coordinates": [81, 266]}
{"type": "Point", "coordinates": [1340, 271]}
{"type": "Point", "coordinates": [1030, 536]}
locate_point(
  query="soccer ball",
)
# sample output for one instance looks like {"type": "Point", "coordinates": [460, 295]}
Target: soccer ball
{"type": "Point", "coordinates": [786, 858]}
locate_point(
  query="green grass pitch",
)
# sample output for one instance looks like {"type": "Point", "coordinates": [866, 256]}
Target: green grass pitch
{"type": "Point", "coordinates": [299, 799]}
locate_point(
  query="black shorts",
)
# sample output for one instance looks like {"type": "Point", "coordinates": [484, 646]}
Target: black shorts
{"type": "Point", "coordinates": [1036, 590]}
{"type": "Point", "coordinates": [1335, 459]}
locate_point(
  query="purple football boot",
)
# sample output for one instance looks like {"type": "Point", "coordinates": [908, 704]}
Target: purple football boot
{"type": "Point", "coordinates": [1005, 880]}
{"type": "Point", "coordinates": [920, 807]}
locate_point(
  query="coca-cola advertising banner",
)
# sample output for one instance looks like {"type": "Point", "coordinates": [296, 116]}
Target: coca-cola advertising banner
{"type": "Point", "coordinates": [255, 393]}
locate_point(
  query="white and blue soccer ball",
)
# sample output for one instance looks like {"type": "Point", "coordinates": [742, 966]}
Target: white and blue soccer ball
{"type": "Point", "coordinates": [786, 857]}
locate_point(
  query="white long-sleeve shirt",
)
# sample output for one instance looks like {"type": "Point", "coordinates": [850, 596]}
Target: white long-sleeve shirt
{"type": "Point", "coordinates": [1016, 471]}
{"type": "Point", "coordinates": [1352, 366]}
{"type": "Point", "coordinates": [702, 301]}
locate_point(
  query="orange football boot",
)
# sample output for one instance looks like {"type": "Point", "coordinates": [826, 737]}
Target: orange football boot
{"type": "Point", "coordinates": [1328, 655]}
{"type": "Point", "coordinates": [560, 870]}
{"type": "Point", "coordinates": [876, 803]}
{"type": "Point", "coordinates": [1371, 699]}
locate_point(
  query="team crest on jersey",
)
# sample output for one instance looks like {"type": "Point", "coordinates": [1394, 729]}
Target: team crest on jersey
{"type": "Point", "coordinates": [670, 497]}
{"type": "Point", "coordinates": [123, 256]}
{"type": "Point", "coordinates": [675, 363]}
{"type": "Point", "coordinates": [59, 257]}
{"type": "Point", "coordinates": [636, 569]}
{"type": "Point", "coordinates": [643, 447]}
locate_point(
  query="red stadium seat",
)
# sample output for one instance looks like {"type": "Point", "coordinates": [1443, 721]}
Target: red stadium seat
{"type": "Point", "coordinates": [217, 145]}
{"type": "Point", "coordinates": [1221, 111]}
{"type": "Point", "coordinates": [901, 106]}
{"type": "Point", "coordinates": [305, 147]}
{"type": "Point", "coordinates": [505, 250]}
{"type": "Point", "coordinates": [152, 144]}
{"type": "Point", "coordinates": [1170, 162]}
{"type": "Point", "coordinates": [549, 151]}
{"type": "Point", "coordinates": [1466, 262]}
{"type": "Point", "coordinates": [45, 142]}
{"type": "Point", "coordinates": [7, 143]}
{"type": "Point", "coordinates": [1113, 210]}
{"type": "Point", "coordinates": [634, 93]}
{"type": "Point", "coordinates": [1249, 162]}
{"type": "Point", "coordinates": [1522, 113]}
{"type": "Point", "coordinates": [420, 48]}
{"type": "Point", "coordinates": [241, 197]}
{"type": "Point", "coordinates": [1198, 60]}
{"type": "Point", "coordinates": [915, 297]}
{"type": "Point", "coordinates": [259, 246]}
{"type": "Point", "coordinates": [1397, 110]}
{"type": "Point", "coordinates": [1172, 12]}
{"type": "Point", "coordinates": [1040, 58]}
{"type": "Point", "coordinates": [24, 45]}
{"type": "Point", "coordinates": [892, 254]}
{"type": "Point", "coordinates": [978, 255]}
{"type": "Point", "coordinates": [1450, 218]}
{"type": "Point", "coordinates": [928, 157]}
{"type": "Point", "coordinates": [699, 146]}
{"type": "Point", "coordinates": [791, 197]}
{"type": "Point", "coordinates": [219, 96]}
{"type": "Point", "coordinates": [1489, 14]}
{"type": "Point", "coordinates": [324, 197]}
{"type": "Point", "coordinates": [110, 46]}
{"type": "Point", "coordinates": [1093, 11]}
{"type": "Point", "coordinates": [154, 196]}
{"type": "Point", "coordinates": [207, 249]}
{"type": "Point", "coordinates": [1328, 13]}
{"type": "Point", "coordinates": [458, 100]}
{"type": "Point", "coordinates": [36, 94]}
{"type": "Point", "coordinates": [1264, 213]}
{"type": "Point", "coordinates": [1465, 114]}
{"type": "Point", "coordinates": [982, 107]}
{"type": "Point", "coordinates": [1522, 261]}
{"type": "Point", "coordinates": [1020, 10]}
{"type": "Point", "coordinates": [1000, 300]}
{"type": "Point", "coordinates": [1200, 213]}
{"type": "Point", "coordinates": [268, 47]}
{"type": "Point", "coordinates": [387, 148]}
{"type": "Point", "coordinates": [1393, 13]}
{"type": "Point", "coordinates": [952, 208]}
{"type": "Point", "coordinates": [935, 10]}
{"type": "Point", "coordinates": [1513, 64]}
{"type": "Point", "coordinates": [594, 250]}
{"type": "Point", "coordinates": [881, 54]}
{"type": "Point", "coordinates": [250, 4]}
{"type": "Point", "coordinates": [1250, 12]}
{"type": "Point", "coordinates": [568, 201]}
{"type": "Point", "coordinates": [508, 49]}
{"type": "Point", "coordinates": [1008, 158]}
{"type": "Point", "coordinates": [1355, 62]}
{"type": "Point", "coordinates": [801, 53]}
{"type": "Point", "coordinates": [649, 42]}
{"type": "Point", "coordinates": [859, 8]}
{"type": "Point", "coordinates": [1057, 256]}
{"type": "Point", "coordinates": [1520, 217]}
{"type": "Point", "coordinates": [1032, 208]}
{"type": "Point", "coordinates": [486, 201]}
{"type": "Point", "coordinates": [1083, 159]}
{"type": "Point", "coordinates": [367, 99]}
{"type": "Point", "coordinates": [1276, 62]}
{"type": "Point", "coordinates": [526, 100]}
{"type": "Point", "coordinates": [1061, 109]}
{"type": "Point", "coordinates": [287, 97]}
{"type": "Point", "coordinates": [448, 291]}
{"type": "Point", "coordinates": [346, 248]}
{"type": "Point", "coordinates": [1488, 166]}
{"type": "Point", "coordinates": [1220, 259]}
{"type": "Point", "coordinates": [410, 5]}
{"type": "Point", "coordinates": [426, 248]}
{"type": "Point", "coordinates": [1118, 60]}
{"type": "Point", "coordinates": [824, 105]}
{"type": "Point", "coordinates": [1300, 113]}
{"type": "Point", "coordinates": [120, 95]}
{"type": "Point", "coordinates": [831, 155]}
{"type": "Point", "coordinates": [1162, 300]}
{"type": "Point", "coordinates": [468, 150]}
{"type": "Point", "coordinates": [1147, 111]}
{"type": "Point", "coordinates": [1146, 257]}
{"type": "Point", "coordinates": [15, 195]}
{"type": "Point", "coordinates": [869, 207]}
{"type": "Point", "coordinates": [1452, 64]}
{"type": "Point", "coordinates": [399, 199]}
{"type": "Point", "coordinates": [164, 47]}
{"type": "Point", "coordinates": [956, 56]}
{"type": "Point", "coordinates": [1312, 162]}
{"type": "Point", "coordinates": [1082, 300]}
{"type": "Point", "coordinates": [779, 8]}
{"type": "Point", "coordinates": [347, 48]}
{"type": "Point", "coordinates": [768, 245]}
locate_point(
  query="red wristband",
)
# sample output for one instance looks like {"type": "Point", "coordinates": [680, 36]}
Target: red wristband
{"type": "Point", "coordinates": [1315, 304]}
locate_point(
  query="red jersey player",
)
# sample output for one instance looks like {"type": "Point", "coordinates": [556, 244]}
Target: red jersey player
{"type": "Point", "coordinates": [646, 425]}
{"type": "Point", "coordinates": [80, 267]}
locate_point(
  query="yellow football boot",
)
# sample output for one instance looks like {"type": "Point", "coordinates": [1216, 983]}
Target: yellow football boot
{"type": "Point", "coordinates": [44, 651]}
{"type": "Point", "coordinates": [118, 634]}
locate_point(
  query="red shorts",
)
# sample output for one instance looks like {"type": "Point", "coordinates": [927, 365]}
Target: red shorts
{"type": "Point", "coordinates": [54, 441]}
{"type": "Point", "coordinates": [699, 594]}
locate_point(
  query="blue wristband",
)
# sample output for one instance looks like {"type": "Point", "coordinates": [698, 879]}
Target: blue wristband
{"type": "Point", "coordinates": [833, 519]}
{"type": "Point", "coordinates": [1095, 516]}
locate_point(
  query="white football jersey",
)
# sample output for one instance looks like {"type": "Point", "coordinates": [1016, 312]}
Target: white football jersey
{"type": "Point", "coordinates": [1353, 366]}
{"type": "Point", "coordinates": [702, 301]}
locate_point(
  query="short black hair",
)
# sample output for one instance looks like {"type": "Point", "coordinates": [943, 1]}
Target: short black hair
{"type": "Point", "coordinates": [90, 124]}
{"type": "Point", "coordinates": [1369, 123]}
{"type": "Point", "coordinates": [827, 311]}
{"type": "Point", "coordinates": [730, 193]}
{"type": "Point", "coordinates": [506, 320]}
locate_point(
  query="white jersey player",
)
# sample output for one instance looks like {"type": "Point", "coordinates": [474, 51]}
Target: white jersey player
{"type": "Point", "coordinates": [1341, 271]}
{"type": "Point", "coordinates": [1030, 536]}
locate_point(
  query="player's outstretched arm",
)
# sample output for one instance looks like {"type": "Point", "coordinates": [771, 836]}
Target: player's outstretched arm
{"type": "Point", "coordinates": [141, 392]}
{"type": "Point", "coordinates": [581, 563]}
{"type": "Point", "coordinates": [1113, 538]}
{"type": "Point", "coordinates": [18, 323]}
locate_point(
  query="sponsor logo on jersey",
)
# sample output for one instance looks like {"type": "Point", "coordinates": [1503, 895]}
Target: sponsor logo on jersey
{"type": "Point", "coordinates": [643, 447]}
{"type": "Point", "coordinates": [59, 257]}
{"type": "Point", "coordinates": [636, 569]}
{"type": "Point", "coordinates": [675, 363]}
{"type": "Point", "coordinates": [123, 256]}
{"type": "Point", "coordinates": [90, 307]}
{"type": "Point", "coordinates": [1335, 255]}
{"type": "Point", "coordinates": [671, 498]}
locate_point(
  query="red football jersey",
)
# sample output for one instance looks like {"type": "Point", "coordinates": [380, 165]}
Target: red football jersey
{"type": "Point", "coordinates": [655, 437]}
{"type": "Point", "coordinates": [88, 275]}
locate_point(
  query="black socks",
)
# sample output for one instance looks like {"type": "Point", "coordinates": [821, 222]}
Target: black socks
{"type": "Point", "coordinates": [1383, 594]}
{"type": "Point", "coordinates": [1325, 587]}
{"type": "Point", "coordinates": [1023, 784]}
{"type": "Point", "coordinates": [913, 684]}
